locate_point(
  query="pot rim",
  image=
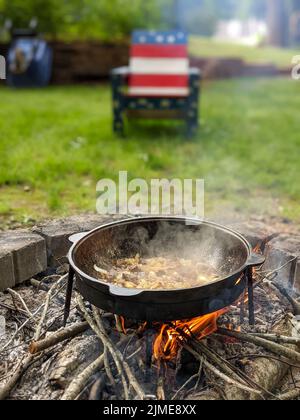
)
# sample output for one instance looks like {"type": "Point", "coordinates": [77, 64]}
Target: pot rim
{"type": "Point", "coordinates": [126, 292]}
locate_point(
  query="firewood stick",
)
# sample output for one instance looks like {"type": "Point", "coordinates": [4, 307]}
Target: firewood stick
{"type": "Point", "coordinates": [291, 395]}
{"type": "Point", "coordinates": [217, 360]}
{"type": "Point", "coordinates": [295, 305]}
{"type": "Point", "coordinates": [280, 339]}
{"type": "Point", "coordinates": [218, 373]}
{"type": "Point", "coordinates": [228, 368]}
{"type": "Point", "coordinates": [268, 345]}
{"type": "Point", "coordinates": [103, 339]}
{"type": "Point", "coordinates": [58, 337]}
{"type": "Point", "coordinates": [130, 375]}
{"type": "Point", "coordinates": [160, 387]}
{"type": "Point", "coordinates": [35, 313]}
{"type": "Point", "coordinates": [80, 381]}
{"type": "Point", "coordinates": [18, 296]}
{"type": "Point", "coordinates": [46, 307]}
{"type": "Point", "coordinates": [101, 329]}
{"type": "Point", "coordinates": [20, 370]}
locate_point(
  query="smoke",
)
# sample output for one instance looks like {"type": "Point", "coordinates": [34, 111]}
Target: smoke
{"type": "Point", "coordinates": [200, 243]}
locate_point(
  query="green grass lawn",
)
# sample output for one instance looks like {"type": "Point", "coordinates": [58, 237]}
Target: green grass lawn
{"type": "Point", "coordinates": [59, 143]}
{"type": "Point", "coordinates": [209, 47]}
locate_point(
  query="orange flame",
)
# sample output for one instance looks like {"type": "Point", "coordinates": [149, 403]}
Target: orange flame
{"type": "Point", "coordinates": [167, 342]}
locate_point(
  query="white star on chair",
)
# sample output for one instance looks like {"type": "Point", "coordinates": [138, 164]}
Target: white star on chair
{"type": "Point", "coordinates": [143, 39]}
{"type": "Point", "coordinates": [160, 38]}
{"type": "Point", "coordinates": [171, 39]}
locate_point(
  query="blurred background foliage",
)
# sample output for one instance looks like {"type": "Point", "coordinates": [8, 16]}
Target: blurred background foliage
{"type": "Point", "coordinates": [112, 20]}
{"type": "Point", "coordinates": [103, 19]}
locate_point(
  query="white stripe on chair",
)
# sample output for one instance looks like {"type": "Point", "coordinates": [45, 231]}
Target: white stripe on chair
{"type": "Point", "coordinates": [159, 66]}
{"type": "Point", "coordinates": [153, 91]}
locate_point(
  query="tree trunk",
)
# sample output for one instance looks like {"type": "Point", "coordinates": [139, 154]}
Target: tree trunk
{"type": "Point", "coordinates": [278, 23]}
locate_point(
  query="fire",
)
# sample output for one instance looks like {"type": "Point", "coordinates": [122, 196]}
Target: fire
{"type": "Point", "coordinates": [167, 342]}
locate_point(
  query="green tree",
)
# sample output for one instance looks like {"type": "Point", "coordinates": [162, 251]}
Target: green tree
{"type": "Point", "coordinates": [49, 13]}
{"type": "Point", "coordinates": [105, 19]}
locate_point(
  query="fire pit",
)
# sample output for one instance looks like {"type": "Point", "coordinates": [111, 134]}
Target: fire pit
{"type": "Point", "coordinates": [226, 251]}
{"type": "Point", "coordinates": [103, 356]}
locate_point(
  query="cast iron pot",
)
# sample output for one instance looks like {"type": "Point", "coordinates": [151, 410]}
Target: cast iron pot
{"type": "Point", "coordinates": [228, 251]}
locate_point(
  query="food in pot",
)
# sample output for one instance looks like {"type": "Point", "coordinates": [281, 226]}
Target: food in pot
{"type": "Point", "coordinates": [157, 273]}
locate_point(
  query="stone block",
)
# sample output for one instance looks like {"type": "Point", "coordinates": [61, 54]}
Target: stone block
{"type": "Point", "coordinates": [26, 250]}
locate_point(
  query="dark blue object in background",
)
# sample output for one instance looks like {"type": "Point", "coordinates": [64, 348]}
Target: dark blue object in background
{"type": "Point", "coordinates": [29, 62]}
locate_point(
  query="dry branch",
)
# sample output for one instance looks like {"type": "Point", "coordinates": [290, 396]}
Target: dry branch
{"type": "Point", "coordinates": [295, 305]}
{"type": "Point", "coordinates": [268, 345]}
{"type": "Point", "coordinates": [80, 381]}
{"type": "Point", "coordinates": [218, 373]}
{"type": "Point", "coordinates": [58, 337]}
{"type": "Point", "coordinates": [12, 382]}
{"type": "Point", "coordinates": [46, 306]}
{"type": "Point", "coordinates": [291, 395]}
{"type": "Point", "coordinates": [18, 296]}
{"type": "Point", "coordinates": [280, 339]}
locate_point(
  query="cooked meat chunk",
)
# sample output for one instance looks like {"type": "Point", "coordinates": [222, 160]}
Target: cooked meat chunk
{"type": "Point", "coordinates": [158, 273]}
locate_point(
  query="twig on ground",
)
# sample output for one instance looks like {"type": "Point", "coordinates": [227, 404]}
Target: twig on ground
{"type": "Point", "coordinates": [160, 387]}
{"type": "Point", "coordinates": [18, 373]}
{"type": "Point", "coordinates": [58, 337]}
{"type": "Point", "coordinates": [280, 339]}
{"type": "Point", "coordinates": [103, 338]}
{"type": "Point", "coordinates": [218, 373]}
{"type": "Point", "coordinates": [194, 377]}
{"type": "Point", "coordinates": [46, 306]}
{"type": "Point", "coordinates": [264, 356]}
{"type": "Point", "coordinates": [18, 296]}
{"type": "Point", "coordinates": [116, 354]}
{"type": "Point", "coordinates": [80, 381]}
{"type": "Point", "coordinates": [291, 395]}
{"type": "Point", "coordinates": [221, 363]}
{"type": "Point", "coordinates": [268, 345]}
{"type": "Point", "coordinates": [295, 305]}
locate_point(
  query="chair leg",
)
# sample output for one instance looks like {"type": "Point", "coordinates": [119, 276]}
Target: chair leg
{"type": "Point", "coordinates": [192, 122]}
{"type": "Point", "coordinates": [118, 125]}
{"type": "Point", "coordinates": [118, 120]}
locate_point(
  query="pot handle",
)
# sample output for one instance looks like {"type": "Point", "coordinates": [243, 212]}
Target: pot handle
{"type": "Point", "coordinates": [77, 237]}
{"type": "Point", "coordinates": [122, 292]}
{"type": "Point", "coordinates": [256, 260]}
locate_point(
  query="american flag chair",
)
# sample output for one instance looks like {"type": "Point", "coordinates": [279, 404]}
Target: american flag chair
{"type": "Point", "coordinates": [158, 82]}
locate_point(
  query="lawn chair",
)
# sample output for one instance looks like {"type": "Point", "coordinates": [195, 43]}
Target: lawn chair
{"type": "Point", "coordinates": [158, 82]}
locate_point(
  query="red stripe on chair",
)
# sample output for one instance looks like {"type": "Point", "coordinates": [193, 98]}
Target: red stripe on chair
{"type": "Point", "coordinates": [165, 81]}
{"type": "Point", "coordinates": [158, 51]}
